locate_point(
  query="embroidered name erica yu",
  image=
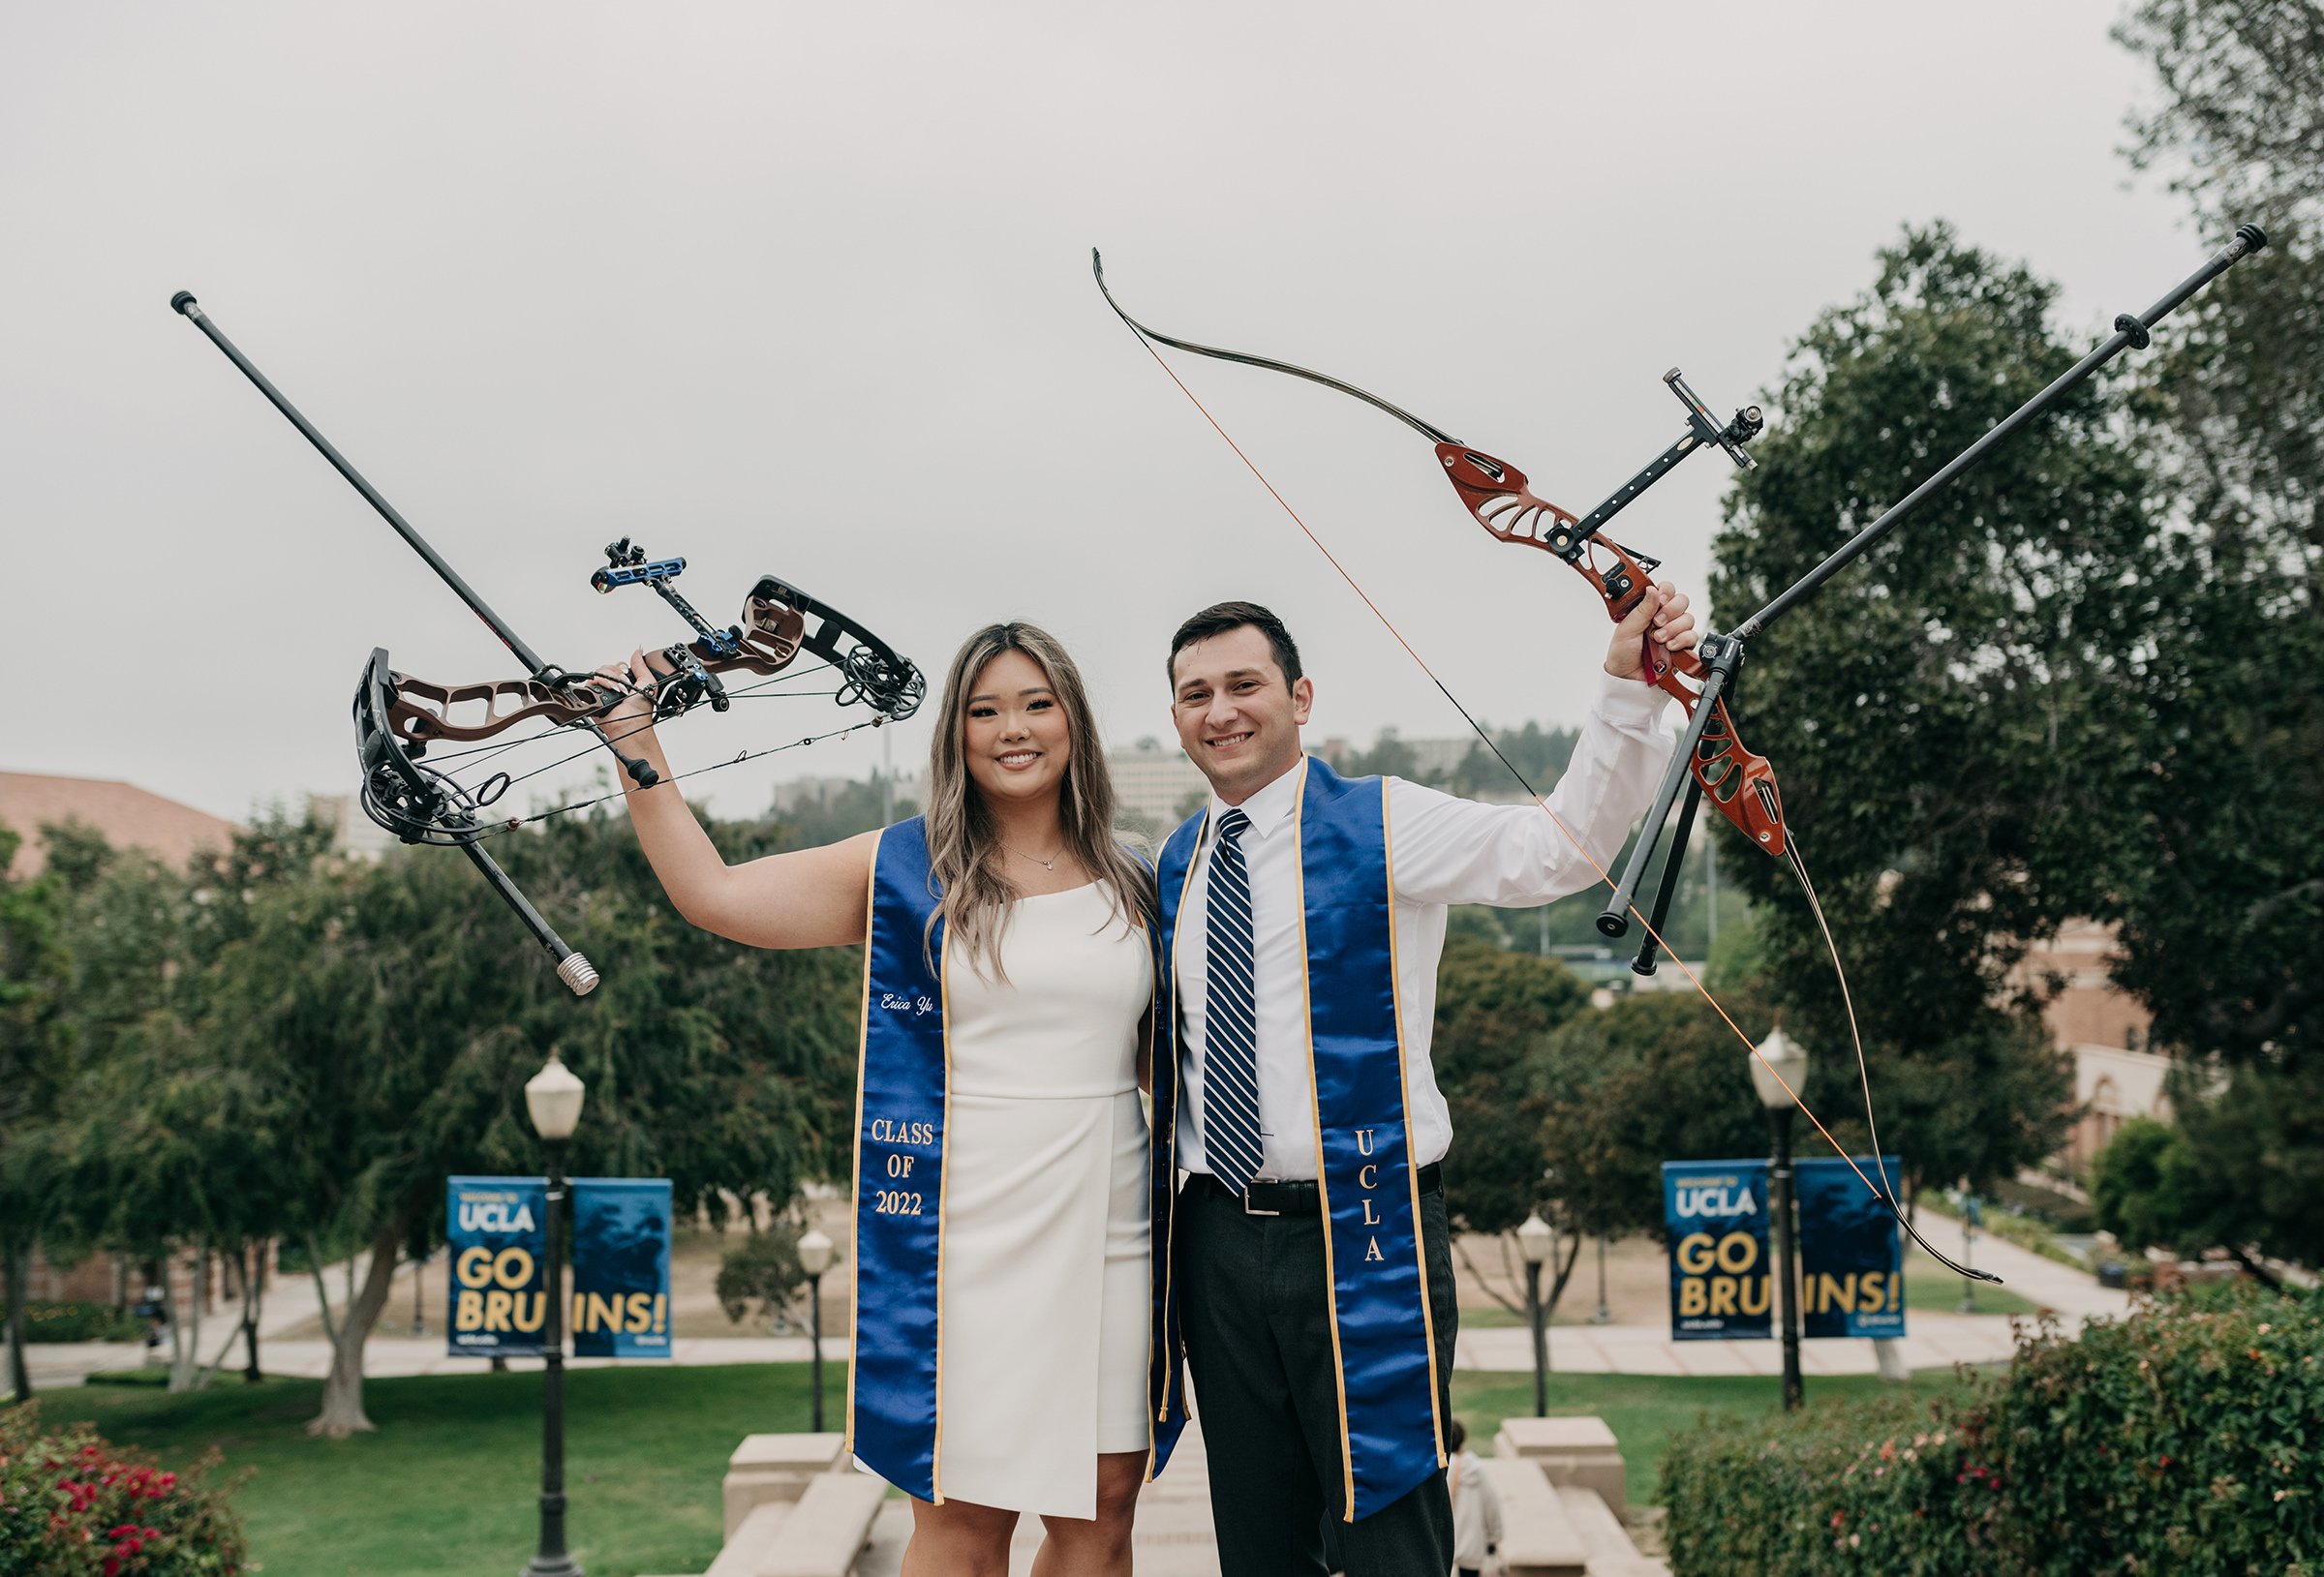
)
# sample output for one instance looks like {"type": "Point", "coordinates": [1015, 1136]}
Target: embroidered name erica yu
{"type": "Point", "coordinates": [905, 1002]}
{"type": "Point", "coordinates": [890, 1131]}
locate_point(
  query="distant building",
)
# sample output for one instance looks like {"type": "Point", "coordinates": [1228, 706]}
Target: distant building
{"type": "Point", "coordinates": [1153, 782]}
{"type": "Point", "coordinates": [797, 792]}
{"type": "Point", "coordinates": [2116, 1077]}
{"type": "Point", "coordinates": [1435, 760]}
{"type": "Point", "coordinates": [130, 818]}
{"type": "Point", "coordinates": [352, 831]}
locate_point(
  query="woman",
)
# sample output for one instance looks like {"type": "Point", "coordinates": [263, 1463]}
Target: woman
{"type": "Point", "coordinates": [1002, 1301]}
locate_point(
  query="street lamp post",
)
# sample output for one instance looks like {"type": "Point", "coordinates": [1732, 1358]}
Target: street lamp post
{"type": "Point", "coordinates": [1971, 1217]}
{"type": "Point", "coordinates": [1777, 1074]}
{"type": "Point", "coordinates": [815, 1254]}
{"type": "Point", "coordinates": [1535, 1240]}
{"type": "Point", "coordinates": [553, 1096]}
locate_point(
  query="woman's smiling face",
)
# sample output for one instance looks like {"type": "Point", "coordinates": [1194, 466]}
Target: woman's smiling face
{"type": "Point", "coordinates": [1014, 734]}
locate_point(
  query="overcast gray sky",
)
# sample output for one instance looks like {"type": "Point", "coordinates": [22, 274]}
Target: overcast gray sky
{"type": "Point", "coordinates": [803, 291]}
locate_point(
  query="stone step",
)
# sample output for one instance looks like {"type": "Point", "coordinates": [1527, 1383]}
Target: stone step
{"type": "Point", "coordinates": [828, 1528]}
{"type": "Point", "coordinates": [1572, 1452]}
{"type": "Point", "coordinates": [1538, 1535]}
{"type": "Point", "coordinates": [1611, 1551]}
{"type": "Point", "coordinates": [750, 1545]}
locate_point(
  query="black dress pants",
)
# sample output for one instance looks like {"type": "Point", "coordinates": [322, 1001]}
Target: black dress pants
{"type": "Point", "coordinates": [1256, 1305]}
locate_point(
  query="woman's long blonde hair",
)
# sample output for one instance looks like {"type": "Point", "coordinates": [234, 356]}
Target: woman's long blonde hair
{"type": "Point", "coordinates": [965, 856]}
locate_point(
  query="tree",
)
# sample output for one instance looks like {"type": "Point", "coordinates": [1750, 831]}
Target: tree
{"type": "Point", "coordinates": [1934, 712]}
{"type": "Point", "coordinates": [121, 928]}
{"type": "Point", "coordinates": [1494, 1014]}
{"type": "Point", "coordinates": [2220, 918]}
{"type": "Point", "coordinates": [35, 1043]}
{"type": "Point", "coordinates": [1654, 1078]}
{"type": "Point", "coordinates": [396, 1011]}
{"type": "Point", "coordinates": [2226, 939]}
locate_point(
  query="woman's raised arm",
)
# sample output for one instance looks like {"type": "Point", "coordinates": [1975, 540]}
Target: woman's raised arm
{"type": "Point", "coordinates": [805, 898]}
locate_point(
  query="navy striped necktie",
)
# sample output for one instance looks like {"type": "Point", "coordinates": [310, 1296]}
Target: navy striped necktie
{"type": "Point", "coordinates": [1231, 1138]}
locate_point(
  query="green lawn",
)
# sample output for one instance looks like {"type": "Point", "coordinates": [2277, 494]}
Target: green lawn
{"type": "Point", "coordinates": [451, 1480]}
{"type": "Point", "coordinates": [1931, 1288]}
{"type": "Point", "coordinates": [1644, 1411]}
{"type": "Point", "coordinates": [447, 1483]}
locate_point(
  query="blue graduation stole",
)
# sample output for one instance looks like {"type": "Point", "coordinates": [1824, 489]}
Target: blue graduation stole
{"type": "Point", "coordinates": [1383, 1330]}
{"type": "Point", "coordinates": [896, 1375]}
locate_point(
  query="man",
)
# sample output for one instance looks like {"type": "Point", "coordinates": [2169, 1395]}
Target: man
{"type": "Point", "coordinates": [1305, 1265]}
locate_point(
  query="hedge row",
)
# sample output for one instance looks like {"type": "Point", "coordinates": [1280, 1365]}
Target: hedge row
{"type": "Point", "coordinates": [73, 1507]}
{"type": "Point", "coordinates": [78, 1323]}
{"type": "Point", "coordinates": [2187, 1439]}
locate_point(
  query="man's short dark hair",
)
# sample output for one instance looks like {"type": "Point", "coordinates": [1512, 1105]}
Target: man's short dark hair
{"type": "Point", "coordinates": [1222, 617]}
{"type": "Point", "coordinates": [1456, 1435]}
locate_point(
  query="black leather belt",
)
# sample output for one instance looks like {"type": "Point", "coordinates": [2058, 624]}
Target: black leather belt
{"type": "Point", "coordinates": [1299, 1196]}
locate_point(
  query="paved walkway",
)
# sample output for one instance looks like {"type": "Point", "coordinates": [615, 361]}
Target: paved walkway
{"type": "Point", "coordinates": [1173, 1537]}
{"type": "Point", "coordinates": [1936, 1340]}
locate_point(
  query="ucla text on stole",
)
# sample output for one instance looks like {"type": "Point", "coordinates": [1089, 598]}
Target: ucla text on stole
{"type": "Point", "coordinates": [1736, 1256]}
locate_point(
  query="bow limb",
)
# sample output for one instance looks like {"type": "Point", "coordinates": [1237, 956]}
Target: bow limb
{"type": "Point", "coordinates": [871, 670]}
{"type": "Point", "coordinates": [1434, 435]}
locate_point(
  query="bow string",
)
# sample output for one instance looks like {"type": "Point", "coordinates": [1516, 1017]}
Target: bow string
{"type": "Point", "coordinates": [1741, 785]}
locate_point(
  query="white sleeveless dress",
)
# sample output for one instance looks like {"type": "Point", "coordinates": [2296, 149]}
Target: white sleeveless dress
{"type": "Point", "coordinates": [1046, 1241]}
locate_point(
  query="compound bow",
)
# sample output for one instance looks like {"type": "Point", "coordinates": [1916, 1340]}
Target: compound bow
{"type": "Point", "coordinates": [400, 719]}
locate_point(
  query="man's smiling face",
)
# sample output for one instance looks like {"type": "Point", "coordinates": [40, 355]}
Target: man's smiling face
{"type": "Point", "coordinates": [1236, 717]}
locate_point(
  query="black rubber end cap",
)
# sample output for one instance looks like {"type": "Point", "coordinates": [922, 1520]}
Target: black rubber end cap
{"type": "Point", "coordinates": [2254, 238]}
{"type": "Point", "coordinates": [1613, 925]}
{"type": "Point", "coordinates": [181, 301]}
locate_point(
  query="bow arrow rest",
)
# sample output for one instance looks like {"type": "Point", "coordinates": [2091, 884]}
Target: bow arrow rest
{"type": "Point", "coordinates": [398, 717]}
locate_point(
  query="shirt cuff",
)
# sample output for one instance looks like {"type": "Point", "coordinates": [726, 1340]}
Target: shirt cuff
{"type": "Point", "coordinates": [1630, 701]}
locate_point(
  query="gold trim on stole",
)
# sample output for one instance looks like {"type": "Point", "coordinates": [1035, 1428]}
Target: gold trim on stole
{"type": "Point", "coordinates": [936, 1450]}
{"type": "Point", "coordinates": [1323, 1186]}
{"type": "Point", "coordinates": [855, 1192]}
{"type": "Point", "coordinates": [1412, 1162]}
{"type": "Point", "coordinates": [1166, 1137]}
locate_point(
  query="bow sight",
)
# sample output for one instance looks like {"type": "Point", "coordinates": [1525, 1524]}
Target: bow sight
{"type": "Point", "coordinates": [398, 719]}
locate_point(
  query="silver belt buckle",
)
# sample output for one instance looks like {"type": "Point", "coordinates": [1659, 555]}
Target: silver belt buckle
{"type": "Point", "coordinates": [1246, 1199]}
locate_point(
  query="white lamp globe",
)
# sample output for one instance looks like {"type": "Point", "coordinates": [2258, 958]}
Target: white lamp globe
{"type": "Point", "coordinates": [816, 1252]}
{"type": "Point", "coordinates": [1781, 1062]}
{"type": "Point", "coordinates": [553, 1096]}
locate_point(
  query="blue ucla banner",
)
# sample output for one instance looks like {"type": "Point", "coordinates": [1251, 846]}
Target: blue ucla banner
{"type": "Point", "coordinates": [1721, 1275]}
{"type": "Point", "coordinates": [619, 1305]}
{"type": "Point", "coordinates": [496, 1229]}
{"type": "Point", "coordinates": [621, 1267]}
{"type": "Point", "coordinates": [1850, 1254]}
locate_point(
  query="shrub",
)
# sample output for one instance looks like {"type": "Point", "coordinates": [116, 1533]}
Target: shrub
{"type": "Point", "coordinates": [73, 1507]}
{"type": "Point", "coordinates": [2187, 1439]}
{"type": "Point", "coordinates": [79, 1322]}
{"type": "Point", "coordinates": [1892, 1485]}
{"type": "Point", "coordinates": [763, 1268]}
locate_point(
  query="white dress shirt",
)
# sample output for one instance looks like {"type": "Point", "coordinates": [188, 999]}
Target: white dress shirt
{"type": "Point", "coordinates": [1444, 851]}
